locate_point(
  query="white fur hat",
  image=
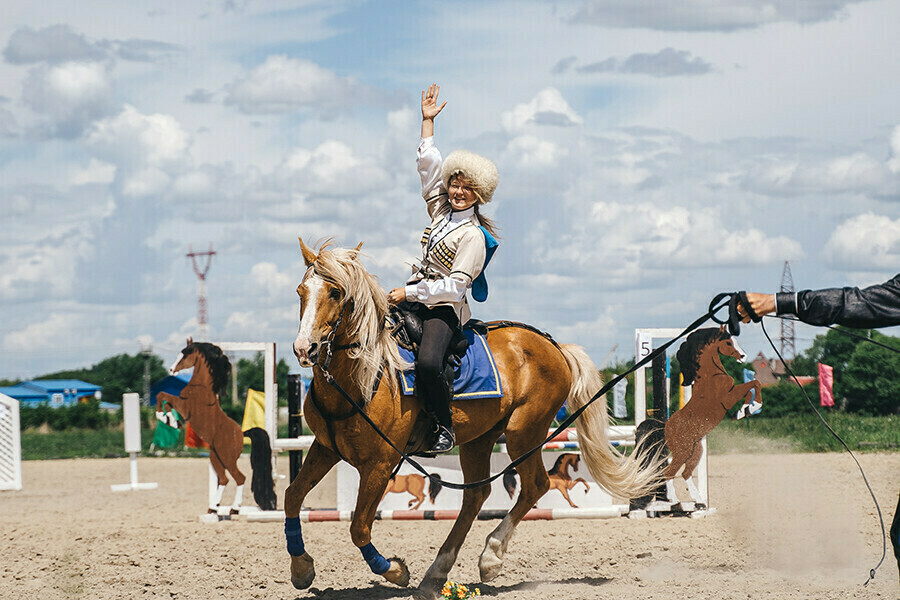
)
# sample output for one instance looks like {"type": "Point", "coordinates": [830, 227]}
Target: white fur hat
{"type": "Point", "coordinates": [481, 172]}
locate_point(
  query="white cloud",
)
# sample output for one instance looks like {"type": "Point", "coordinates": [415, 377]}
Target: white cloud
{"type": "Point", "coordinates": [44, 334]}
{"type": "Point", "coordinates": [57, 43]}
{"type": "Point", "coordinates": [331, 169]}
{"type": "Point", "coordinates": [643, 236]}
{"type": "Point", "coordinates": [867, 242]}
{"type": "Point", "coordinates": [147, 149]}
{"type": "Point", "coordinates": [701, 15]}
{"type": "Point", "coordinates": [47, 271]}
{"type": "Point", "coordinates": [265, 325]}
{"type": "Point", "coordinates": [71, 94]}
{"type": "Point", "coordinates": [668, 62]}
{"type": "Point", "coordinates": [585, 333]}
{"type": "Point", "coordinates": [141, 50]}
{"type": "Point", "coordinates": [548, 107]}
{"type": "Point", "coordinates": [282, 85]}
{"type": "Point", "coordinates": [894, 162]}
{"type": "Point", "coordinates": [269, 281]}
{"type": "Point", "coordinates": [857, 173]}
{"type": "Point", "coordinates": [9, 125]}
{"type": "Point", "coordinates": [199, 183]}
{"type": "Point", "coordinates": [529, 151]}
{"type": "Point", "coordinates": [96, 171]}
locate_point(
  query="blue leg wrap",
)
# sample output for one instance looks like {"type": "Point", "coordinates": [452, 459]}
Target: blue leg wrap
{"type": "Point", "coordinates": [374, 559]}
{"type": "Point", "coordinates": [294, 536]}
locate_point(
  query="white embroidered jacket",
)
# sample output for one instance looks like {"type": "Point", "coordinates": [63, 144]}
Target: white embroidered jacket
{"type": "Point", "coordinates": [453, 248]}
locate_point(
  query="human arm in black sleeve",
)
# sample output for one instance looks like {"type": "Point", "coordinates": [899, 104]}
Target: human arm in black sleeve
{"type": "Point", "coordinates": [875, 306]}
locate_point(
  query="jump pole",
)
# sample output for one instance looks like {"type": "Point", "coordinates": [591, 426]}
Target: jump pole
{"type": "Point", "coordinates": [131, 416]}
{"type": "Point", "coordinates": [535, 514]}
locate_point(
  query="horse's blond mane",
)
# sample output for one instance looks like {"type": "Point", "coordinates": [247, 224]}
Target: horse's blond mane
{"type": "Point", "coordinates": [366, 322]}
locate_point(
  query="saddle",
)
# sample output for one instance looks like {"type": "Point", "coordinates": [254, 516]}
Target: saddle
{"type": "Point", "coordinates": [405, 324]}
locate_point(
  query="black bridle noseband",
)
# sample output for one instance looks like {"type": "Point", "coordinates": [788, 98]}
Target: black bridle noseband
{"type": "Point", "coordinates": [329, 349]}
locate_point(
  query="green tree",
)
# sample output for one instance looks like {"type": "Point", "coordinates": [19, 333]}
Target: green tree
{"type": "Point", "coordinates": [871, 378]}
{"type": "Point", "coordinates": [834, 348]}
{"type": "Point", "coordinates": [251, 375]}
{"type": "Point", "coordinates": [786, 398]}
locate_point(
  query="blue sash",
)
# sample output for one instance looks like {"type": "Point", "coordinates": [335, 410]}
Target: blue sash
{"type": "Point", "coordinates": [480, 285]}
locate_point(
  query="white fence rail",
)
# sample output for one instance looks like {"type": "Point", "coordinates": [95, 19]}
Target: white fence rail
{"type": "Point", "coordinates": [10, 444]}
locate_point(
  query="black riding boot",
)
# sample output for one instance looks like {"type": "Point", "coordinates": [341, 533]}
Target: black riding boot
{"type": "Point", "coordinates": [440, 404]}
{"type": "Point", "coordinates": [432, 387]}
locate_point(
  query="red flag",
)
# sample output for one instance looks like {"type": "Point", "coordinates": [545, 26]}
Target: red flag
{"type": "Point", "coordinates": [826, 379]}
{"type": "Point", "coordinates": [191, 439]}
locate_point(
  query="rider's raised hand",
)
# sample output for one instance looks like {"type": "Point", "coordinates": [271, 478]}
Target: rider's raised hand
{"type": "Point", "coordinates": [430, 109]}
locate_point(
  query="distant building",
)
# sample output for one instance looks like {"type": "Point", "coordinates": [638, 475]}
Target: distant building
{"type": "Point", "coordinates": [53, 392]}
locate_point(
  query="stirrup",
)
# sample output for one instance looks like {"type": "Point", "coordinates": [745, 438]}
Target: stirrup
{"type": "Point", "coordinates": [445, 441]}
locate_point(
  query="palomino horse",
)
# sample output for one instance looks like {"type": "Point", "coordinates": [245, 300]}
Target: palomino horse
{"type": "Point", "coordinates": [414, 484]}
{"type": "Point", "coordinates": [342, 330]}
{"type": "Point", "coordinates": [199, 405]}
{"type": "Point", "coordinates": [561, 480]}
{"type": "Point", "coordinates": [714, 392]}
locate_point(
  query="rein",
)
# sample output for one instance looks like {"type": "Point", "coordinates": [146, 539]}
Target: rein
{"type": "Point", "coordinates": [330, 349]}
{"type": "Point", "coordinates": [838, 438]}
{"type": "Point", "coordinates": [714, 307]}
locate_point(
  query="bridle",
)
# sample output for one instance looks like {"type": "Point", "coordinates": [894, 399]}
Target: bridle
{"type": "Point", "coordinates": [329, 349]}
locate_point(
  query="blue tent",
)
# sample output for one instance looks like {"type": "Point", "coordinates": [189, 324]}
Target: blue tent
{"type": "Point", "coordinates": [171, 384]}
{"type": "Point", "coordinates": [53, 392]}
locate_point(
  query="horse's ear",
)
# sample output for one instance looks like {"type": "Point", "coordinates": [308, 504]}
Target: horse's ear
{"type": "Point", "coordinates": [722, 328]}
{"type": "Point", "coordinates": [356, 250]}
{"type": "Point", "coordinates": [309, 257]}
{"type": "Point", "coordinates": [190, 341]}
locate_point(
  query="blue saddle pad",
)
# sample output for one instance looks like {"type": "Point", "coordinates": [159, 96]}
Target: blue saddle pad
{"type": "Point", "coordinates": [476, 376]}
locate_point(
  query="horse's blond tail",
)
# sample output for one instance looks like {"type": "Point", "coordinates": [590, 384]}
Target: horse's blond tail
{"type": "Point", "coordinates": [621, 476]}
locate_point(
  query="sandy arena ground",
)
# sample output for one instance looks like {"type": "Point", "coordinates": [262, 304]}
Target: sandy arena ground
{"type": "Point", "coordinates": [788, 526]}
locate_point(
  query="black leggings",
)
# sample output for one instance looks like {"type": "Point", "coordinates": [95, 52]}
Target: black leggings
{"type": "Point", "coordinates": [438, 326]}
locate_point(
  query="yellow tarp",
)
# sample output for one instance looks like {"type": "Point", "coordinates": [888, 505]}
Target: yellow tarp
{"type": "Point", "coordinates": [254, 412]}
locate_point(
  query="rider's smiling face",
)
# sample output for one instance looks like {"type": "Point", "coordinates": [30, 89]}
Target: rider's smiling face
{"type": "Point", "coordinates": [462, 195]}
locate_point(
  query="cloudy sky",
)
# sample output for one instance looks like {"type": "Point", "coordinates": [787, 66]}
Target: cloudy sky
{"type": "Point", "coordinates": [650, 155]}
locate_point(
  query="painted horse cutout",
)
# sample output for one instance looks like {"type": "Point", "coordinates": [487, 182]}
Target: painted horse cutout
{"type": "Point", "coordinates": [198, 404]}
{"type": "Point", "coordinates": [414, 484]}
{"type": "Point", "coordinates": [561, 480]}
{"type": "Point", "coordinates": [342, 325]}
{"type": "Point", "coordinates": [559, 477]}
{"type": "Point", "coordinates": [714, 393]}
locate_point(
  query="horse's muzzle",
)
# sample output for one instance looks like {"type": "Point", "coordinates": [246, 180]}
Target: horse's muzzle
{"type": "Point", "coordinates": [306, 353]}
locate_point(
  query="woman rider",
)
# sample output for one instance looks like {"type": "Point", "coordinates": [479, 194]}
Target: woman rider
{"type": "Point", "coordinates": [454, 255]}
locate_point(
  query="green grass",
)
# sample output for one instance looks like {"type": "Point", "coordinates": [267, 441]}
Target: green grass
{"type": "Point", "coordinates": [86, 443]}
{"type": "Point", "coordinates": [77, 443]}
{"type": "Point", "coordinates": [794, 433]}
{"type": "Point", "coordinates": [804, 432]}
{"type": "Point", "coordinates": [96, 443]}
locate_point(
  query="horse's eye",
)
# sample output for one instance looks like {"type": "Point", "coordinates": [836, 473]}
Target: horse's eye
{"type": "Point", "coordinates": [335, 294]}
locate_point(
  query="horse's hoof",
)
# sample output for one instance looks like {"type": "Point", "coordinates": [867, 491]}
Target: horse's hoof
{"type": "Point", "coordinates": [398, 573]}
{"type": "Point", "coordinates": [302, 571]}
{"type": "Point", "coordinates": [491, 561]}
{"type": "Point", "coordinates": [430, 589]}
